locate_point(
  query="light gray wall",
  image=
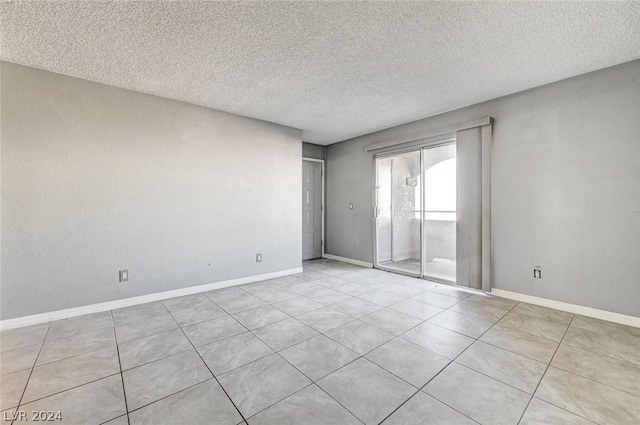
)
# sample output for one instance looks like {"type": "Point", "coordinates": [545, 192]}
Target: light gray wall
{"type": "Point", "coordinates": [97, 179]}
{"type": "Point", "coordinates": [309, 150]}
{"type": "Point", "coordinates": [565, 189]}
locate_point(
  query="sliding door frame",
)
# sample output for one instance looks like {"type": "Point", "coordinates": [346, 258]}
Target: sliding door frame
{"type": "Point", "coordinates": [414, 146]}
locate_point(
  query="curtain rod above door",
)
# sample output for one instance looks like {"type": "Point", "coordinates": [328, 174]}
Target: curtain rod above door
{"type": "Point", "coordinates": [429, 133]}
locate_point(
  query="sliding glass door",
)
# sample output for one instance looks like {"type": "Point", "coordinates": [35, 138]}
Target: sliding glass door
{"type": "Point", "coordinates": [398, 213]}
{"type": "Point", "coordinates": [416, 212]}
{"type": "Point", "coordinates": [439, 212]}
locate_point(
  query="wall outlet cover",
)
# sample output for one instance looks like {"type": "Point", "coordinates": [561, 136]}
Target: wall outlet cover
{"type": "Point", "coordinates": [123, 275]}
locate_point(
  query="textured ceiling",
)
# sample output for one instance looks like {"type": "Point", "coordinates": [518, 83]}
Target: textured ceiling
{"type": "Point", "coordinates": [333, 69]}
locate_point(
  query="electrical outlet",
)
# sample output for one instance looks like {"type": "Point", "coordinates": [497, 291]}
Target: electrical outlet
{"type": "Point", "coordinates": [258, 258]}
{"type": "Point", "coordinates": [123, 275]}
{"type": "Point", "coordinates": [350, 206]}
{"type": "Point", "coordinates": [537, 272]}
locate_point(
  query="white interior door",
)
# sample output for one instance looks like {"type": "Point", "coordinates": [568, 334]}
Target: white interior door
{"type": "Point", "coordinates": [311, 210]}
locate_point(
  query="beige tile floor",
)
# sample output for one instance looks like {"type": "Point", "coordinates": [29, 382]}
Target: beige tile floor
{"type": "Point", "coordinates": [336, 344]}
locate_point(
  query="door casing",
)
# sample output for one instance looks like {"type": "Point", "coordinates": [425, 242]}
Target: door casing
{"type": "Point", "coordinates": [322, 184]}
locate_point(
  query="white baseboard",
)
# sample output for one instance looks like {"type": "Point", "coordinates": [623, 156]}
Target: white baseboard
{"type": "Point", "coordinates": [623, 319]}
{"type": "Point", "coordinates": [348, 260]}
{"type": "Point", "coordinates": [35, 319]}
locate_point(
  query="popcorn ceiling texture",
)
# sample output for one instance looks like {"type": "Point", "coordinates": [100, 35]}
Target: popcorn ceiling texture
{"type": "Point", "coordinates": [333, 69]}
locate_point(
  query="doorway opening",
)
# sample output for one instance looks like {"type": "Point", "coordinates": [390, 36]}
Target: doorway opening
{"type": "Point", "coordinates": [312, 208]}
{"type": "Point", "coordinates": [415, 194]}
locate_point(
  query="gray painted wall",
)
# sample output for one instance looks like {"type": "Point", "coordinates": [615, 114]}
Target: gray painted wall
{"type": "Point", "coordinates": [97, 179]}
{"type": "Point", "coordinates": [565, 189]}
{"type": "Point", "coordinates": [309, 150]}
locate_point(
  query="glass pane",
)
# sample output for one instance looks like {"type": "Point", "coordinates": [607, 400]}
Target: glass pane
{"type": "Point", "coordinates": [398, 215]}
{"type": "Point", "coordinates": [440, 212]}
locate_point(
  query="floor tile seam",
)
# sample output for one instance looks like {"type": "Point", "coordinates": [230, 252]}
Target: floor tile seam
{"type": "Point", "coordinates": [314, 308]}
{"type": "Point", "coordinates": [364, 356]}
{"type": "Point", "coordinates": [185, 350]}
{"type": "Point", "coordinates": [393, 373]}
{"type": "Point", "coordinates": [428, 395]}
{"type": "Point", "coordinates": [25, 368]}
{"type": "Point", "coordinates": [545, 371]}
{"type": "Point", "coordinates": [71, 388]}
{"type": "Point", "coordinates": [411, 328]}
{"type": "Point", "coordinates": [196, 304]}
{"type": "Point", "coordinates": [315, 382]}
{"type": "Point", "coordinates": [527, 332]}
{"type": "Point", "coordinates": [158, 360]}
{"type": "Point", "coordinates": [444, 327]}
{"type": "Point", "coordinates": [276, 351]}
{"type": "Point", "coordinates": [213, 375]}
{"type": "Point", "coordinates": [218, 340]}
{"type": "Point", "coordinates": [282, 399]}
{"type": "Point", "coordinates": [124, 391]}
{"type": "Point", "coordinates": [44, 342]}
{"type": "Point", "coordinates": [332, 308]}
{"type": "Point", "coordinates": [602, 353]}
{"type": "Point", "coordinates": [19, 403]}
{"type": "Point", "coordinates": [312, 381]}
{"type": "Point", "coordinates": [268, 324]}
{"type": "Point", "coordinates": [505, 349]}
{"type": "Point", "coordinates": [614, 334]}
{"type": "Point", "coordinates": [80, 333]}
{"type": "Point", "coordinates": [563, 409]}
{"type": "Point", "coordinates": [599, 353]}
{"type": "Point", "coordinates": [244, 364]}
{"type": "Point", "coordinates": [221, 308]}
{"type": "Point", "coordinates": [329, 330]}
{"type": "Point", "coordinates": [325, 334]}
{"type": "Point", "coordinates": [147, 336]}
{"type": "Point", "coordinates": [541, 318]}
{"type": "Point", "coordinates": [433, 324]}
{"type": "Point", "coordinates": [167, 396]}
{"type": "Point", "coordinates": [339, 404]}
{"type": "Point", "coordinates": [495, 379]}
{"type": "Point", "coordinates": [107, 421]}
{"type": "Point", "coordinates": [597, 382]}
{"type": "Point", "coordinates": [515, 352]}
{"type": "Point", "coordinates": [158, 302]}
{"type": "Point", "coordinates": [423, 388]}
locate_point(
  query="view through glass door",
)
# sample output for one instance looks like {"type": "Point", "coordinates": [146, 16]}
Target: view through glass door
{"type": "Point", "coordinates": [416, 212]}
{"type": "Point", "coordinates": [398, 225]}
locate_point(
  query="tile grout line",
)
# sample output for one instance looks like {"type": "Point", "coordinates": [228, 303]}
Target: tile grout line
{"type": "Point", "coordinates": [545, 371]}
{"type": "Point", "coordinates": [124, 391]}
{"type": "Point", "coordinates": [207, 366]}
{"type": "Point", "coordinates": [449, 364]}
{"type": "Point", "coordinates": [273, 353]}
{"type": "Point", "coordinates": [312, 382]}
{"type": "Point", "coordinates": [26, 384]}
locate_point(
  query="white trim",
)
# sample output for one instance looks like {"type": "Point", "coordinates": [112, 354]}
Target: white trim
{"type": "Point", "coordinates": [348, 260]}
{"type": "Point", "coordinates": [35, 319]}
{"type": "Point", "coordinates": [571, 308]}
{"type": "Point", "coordinates": [324, 176]}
